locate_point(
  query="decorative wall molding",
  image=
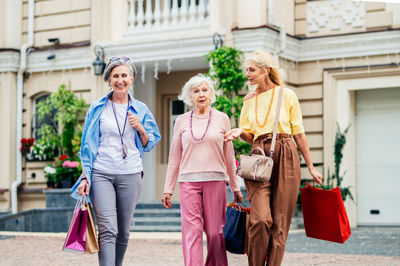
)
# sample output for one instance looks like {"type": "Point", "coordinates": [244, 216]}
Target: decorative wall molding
{"type": "Point", "coordinates": [178, 54]}
{"type": "Point", "coordinates": [335, 15]}
{"type": "Point", "coordinates": [65, 59]}
{"type": "Point", "coordinates": [9, 61]}
{"type": "Point", "coordinates": [320, 48]}
{"type": "Point", "coordinates": [189, 53]}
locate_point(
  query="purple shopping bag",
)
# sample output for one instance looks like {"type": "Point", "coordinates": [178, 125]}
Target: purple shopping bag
{"type": "Point", "coordinates": [76, 236]}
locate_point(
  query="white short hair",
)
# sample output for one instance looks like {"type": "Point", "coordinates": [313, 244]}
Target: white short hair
{"type": "Point", "coordinates": [194, 82]}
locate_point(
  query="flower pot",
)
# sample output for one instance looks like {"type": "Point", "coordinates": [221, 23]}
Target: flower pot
{"type": "Point", "coordinates": [66, 183]}
{"type": "Point", "coordinates": [50, 184]}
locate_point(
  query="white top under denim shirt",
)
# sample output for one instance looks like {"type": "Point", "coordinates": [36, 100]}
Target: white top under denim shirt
{"type": "Point", "coordinates": [109, 155]}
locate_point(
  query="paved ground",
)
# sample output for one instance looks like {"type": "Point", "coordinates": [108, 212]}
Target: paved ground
{"type": "Point", "coordinates": [366, 246]}
{"type": "Point", "coordinates": [379, 241]}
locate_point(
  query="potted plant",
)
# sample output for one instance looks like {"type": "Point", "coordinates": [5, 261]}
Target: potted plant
{"type": "Point", "coordinates": [43, 149]}
{"type": "Point", "coordinates": [60, 131]}
{"type": "Point", "coordinates": [63, 172]}
{"type": "Point", "coordinates": [63, 109]}
{"type": "Point", "coordinates": [49, 174]}
{"type": "Point", "coordinates": [26, 145]}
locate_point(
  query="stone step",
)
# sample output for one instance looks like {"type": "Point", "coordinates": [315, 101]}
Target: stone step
{"type": "Point", "coordinates": [157, 213]}
{"type": "Point", "coordinates": [153, 217]}
{"type": "Point", "coordinates": [156, 205]}
{"type": "Point", "coordinates": [156, 221]}
{"type": "Point", "coordinates": [156, 228]}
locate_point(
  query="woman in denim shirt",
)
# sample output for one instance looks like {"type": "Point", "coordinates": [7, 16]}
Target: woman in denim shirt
{"type": "Point", "coordinates": [118, 129]}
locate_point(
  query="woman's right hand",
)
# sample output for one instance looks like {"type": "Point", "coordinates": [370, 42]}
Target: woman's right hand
{"type": "Point", "coordinates": [233, 134]}
{"type": "Point", "coordinates": [83, 187]}
{"type": "Point", "coordinates": [166, 200]}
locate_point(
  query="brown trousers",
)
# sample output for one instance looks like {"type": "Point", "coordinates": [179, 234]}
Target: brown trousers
{"type": "Point", "coordinates": [273, 203]}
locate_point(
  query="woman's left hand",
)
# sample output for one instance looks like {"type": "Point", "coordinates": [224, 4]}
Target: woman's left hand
{"type": "Point", "coordinates": [135, 122]}
{"type": "Point", "coordinates": [237, 196]}
{"type": "Point", "coordinates": [316, 175]}
{"type": "Point", "coordinates": [166, 200]}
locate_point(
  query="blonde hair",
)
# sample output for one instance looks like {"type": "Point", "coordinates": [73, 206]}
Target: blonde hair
{"type": "Point", "coordinates": [263, 59]}
{"type": "Point", "coordinates": [194, 82]}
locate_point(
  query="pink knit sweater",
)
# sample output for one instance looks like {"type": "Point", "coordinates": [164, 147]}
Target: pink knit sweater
{"type": "Point", "coordinates": [210, 155]}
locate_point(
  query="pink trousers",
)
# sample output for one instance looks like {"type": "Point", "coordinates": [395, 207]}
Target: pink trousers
{"type": "Point", "coordinates": [203, 206]}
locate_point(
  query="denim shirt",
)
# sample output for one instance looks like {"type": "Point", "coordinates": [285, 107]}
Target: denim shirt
{"type": "Point", "coordinates": [91, 134]}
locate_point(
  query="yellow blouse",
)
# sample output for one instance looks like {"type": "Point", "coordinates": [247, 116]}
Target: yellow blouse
{"type": "Point", "coordinates": [290, 118]}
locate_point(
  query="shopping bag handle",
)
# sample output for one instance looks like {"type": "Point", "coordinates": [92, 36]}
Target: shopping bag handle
{"type": "Point", "coordinates": [313, 186]}
{"type": "Point", "coordinates": [236, 204]}
{"type": "Point", "coordinates": [81, 201]}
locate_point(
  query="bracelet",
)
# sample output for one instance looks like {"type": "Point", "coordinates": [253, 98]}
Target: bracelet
{"type": "Point", "coordinates": [144, 134]}
{"type": "Point", "coordinates": [83, 178]}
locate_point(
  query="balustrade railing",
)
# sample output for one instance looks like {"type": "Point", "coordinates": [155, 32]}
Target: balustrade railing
{"type": "Point", "coordinates": [153, 15]}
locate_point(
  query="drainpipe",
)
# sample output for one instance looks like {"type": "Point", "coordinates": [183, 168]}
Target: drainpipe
{"type": "Point", "coordinates": [280, 26]}
{"type": "Point", "coordinates": [20, 89]}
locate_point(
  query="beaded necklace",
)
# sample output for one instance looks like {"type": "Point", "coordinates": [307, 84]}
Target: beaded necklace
{"type": "Point", "coordinates": [191, 127]}
{"type": "Point", "coordinates": [269, 108]}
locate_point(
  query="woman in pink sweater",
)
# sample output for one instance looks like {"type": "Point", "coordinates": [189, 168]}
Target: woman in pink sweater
{"type": "Point", "coordinates": [202, 163]}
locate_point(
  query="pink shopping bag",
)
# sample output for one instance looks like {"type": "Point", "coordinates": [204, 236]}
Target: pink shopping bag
{"type": "Point", "coordinates": [76, 236]}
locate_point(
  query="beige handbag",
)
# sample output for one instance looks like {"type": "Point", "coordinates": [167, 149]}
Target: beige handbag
{"type": "Point", "coordinates": [92, 246]}
{"type": "Point", "coordinates": [258, 167]}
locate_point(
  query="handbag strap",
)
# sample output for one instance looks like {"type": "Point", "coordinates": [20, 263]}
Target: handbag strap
{"type": "Point", "coordinates": [257, 149]}
{"type": "Point", "coordinates": [278, 110]}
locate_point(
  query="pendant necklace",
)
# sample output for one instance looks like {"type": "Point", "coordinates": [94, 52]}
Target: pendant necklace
{"type": "Point", "coordinates": [191, 126]}
{"type": "Point", "coordinates": [269, 109]}
{"type": "Point", "coordinates": [124, 147]}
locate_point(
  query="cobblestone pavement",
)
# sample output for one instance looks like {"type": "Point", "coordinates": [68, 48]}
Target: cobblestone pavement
{"type": "Point", "coordinates": [366, 246]}
{"type": "Point", "coordinates": [380, 241]}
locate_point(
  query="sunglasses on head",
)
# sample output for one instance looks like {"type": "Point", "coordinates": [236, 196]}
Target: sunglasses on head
{"type": "Point", "coordinates": [123, 59]}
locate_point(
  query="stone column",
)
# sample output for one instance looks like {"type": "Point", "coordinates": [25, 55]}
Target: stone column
{"type": "Point", "coordinates": [8, 98]}
{"type": "Point", "coordinates": [146, 92]}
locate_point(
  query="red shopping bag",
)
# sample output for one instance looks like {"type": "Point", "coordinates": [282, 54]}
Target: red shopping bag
{"type": "Point", "coordinates": [76, 236]}
{"type": "Point", "coordinates": [324, 214]}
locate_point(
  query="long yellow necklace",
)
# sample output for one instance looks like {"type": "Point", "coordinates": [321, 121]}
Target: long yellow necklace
{"type": "Point", "coordinates": [269, 108]}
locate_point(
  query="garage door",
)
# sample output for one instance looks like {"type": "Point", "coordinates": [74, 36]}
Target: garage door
{"type": "Point", "coordinates": [378, 156]}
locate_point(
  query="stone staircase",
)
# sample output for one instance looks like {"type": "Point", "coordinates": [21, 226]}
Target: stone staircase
{"type": "Point", "coordinates": [148, 217]}
{"type": "Point", "coordinates": [153, 217]}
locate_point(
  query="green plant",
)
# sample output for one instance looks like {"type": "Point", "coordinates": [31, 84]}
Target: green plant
{"type": "Point", "coordinates": [43, 150]}
{"type": "Point", "coordinates": [335, 179]}
{"type": "Point", "coordinates": [67, 109]}
{"type": "Point", "coordinates": [226, 71]}
{"type": "Point", "coordinates": [241, 147]}
{"type": "Point", "coordinates": [76, 140]}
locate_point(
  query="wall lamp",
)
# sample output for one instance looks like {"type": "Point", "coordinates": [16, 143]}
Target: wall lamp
{"type": "Point", "coordinates": [217, 40]}
{"type": "Point", "coordinates": [98, 64]}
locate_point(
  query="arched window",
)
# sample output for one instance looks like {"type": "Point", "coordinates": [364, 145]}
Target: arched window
{"type": "Point", "coordinates": [36, 124]}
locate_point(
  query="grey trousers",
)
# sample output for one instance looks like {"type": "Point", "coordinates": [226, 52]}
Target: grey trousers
{"type": "Point", "coordinates": [114, 199]}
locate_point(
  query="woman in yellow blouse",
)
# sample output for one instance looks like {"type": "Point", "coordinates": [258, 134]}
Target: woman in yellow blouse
{"type": "Point", "coordinates": [273, 202]}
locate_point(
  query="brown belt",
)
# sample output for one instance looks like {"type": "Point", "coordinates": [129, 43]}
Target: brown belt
{"type": "Point", "coordinates": [267, 137]}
